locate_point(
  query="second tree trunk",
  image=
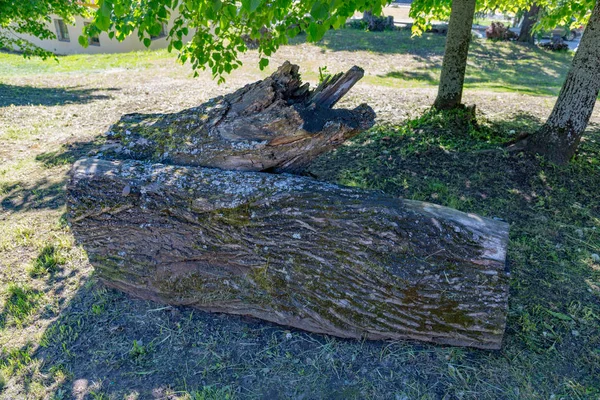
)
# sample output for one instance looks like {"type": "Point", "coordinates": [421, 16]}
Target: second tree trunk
{"type": "Point", "coordinates": [529, 20]}
{"type": "Point", "coordinates": [558, 139]}
{"type": "Point", "coordinates": [455, 58]}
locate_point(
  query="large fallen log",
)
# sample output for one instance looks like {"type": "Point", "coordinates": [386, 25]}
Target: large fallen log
{"type": "Point", "coordinates": [276, 125]}
{"type": "Point", "coordinates": [294, 251]}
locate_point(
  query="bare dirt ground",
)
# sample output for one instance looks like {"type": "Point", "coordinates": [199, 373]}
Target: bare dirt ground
{"type": "Point", "coordinates": [65, 336]}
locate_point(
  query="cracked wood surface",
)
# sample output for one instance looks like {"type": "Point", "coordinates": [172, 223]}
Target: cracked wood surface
{"type": "Point", "coordinates": [292, 250]}
{"type": "Point", "coordinates": [275, 125]}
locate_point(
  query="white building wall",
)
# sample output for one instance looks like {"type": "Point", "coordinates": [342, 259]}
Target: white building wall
{"type": "Point", "coordinates": [107, 45]}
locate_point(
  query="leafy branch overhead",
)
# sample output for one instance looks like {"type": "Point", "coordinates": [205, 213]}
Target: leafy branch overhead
{"type": "Point", "coordinates": [555, 12]}
{"type": "Point", "coordinates": [31, 17]}
{"type": "Point", "coordinates": [221, 28]}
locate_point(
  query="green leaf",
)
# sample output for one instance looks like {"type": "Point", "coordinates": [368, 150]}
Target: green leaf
{"type": "Point", "coordinates": [155, 29]}
{"type": "Point", "coordinates": [559, 315]}
{"type": "Point", "coordinates": [230, 11]}
{"type": "Point", "coordinates": [262, 64]}
{"type": "Point", "coordinates": [147, 42]}
{"type": "Point", "coordinates": [102, 23]}
{"type": "Point", "coordinates": [313, 31]}
{"type": "Point", "coordinates": [320, 10]}
{"type": "Point", "coordinates": [178, 44]}
{"type": "Point", "coordinates": [105, 8]}
{"type": "Point", "coordinates": [119, 10]}
{"type": "Point", "coordinates": [250, 5]}
{"type": "Point", "coordinates": [83, 41]}
{"type": "Point", "coordinates": [316, 31]}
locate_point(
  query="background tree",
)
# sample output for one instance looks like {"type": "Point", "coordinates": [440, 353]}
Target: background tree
{"type": "Point", "coordinates": [30, 17]}
{"type": "Point", "coordinates": [460, 14]}
{"type": "Point", "coordinates": [458, 39]}
{"type": "Point", "coordinates": [530, 18]}
{"type": "Point", "coordinates": [220, 26]}
{"type": "Point", "coordinates": [559, 137]}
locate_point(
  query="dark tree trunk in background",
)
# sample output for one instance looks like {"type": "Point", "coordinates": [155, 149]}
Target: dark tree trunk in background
{"type": "Point", "coordinates": [558, 139]}
{"type": "Point", "coordinates": [277, 124]}
{"type": "Point", "coordinates": [529, 20]}
{"type": "Point", "coordinates": [292, 250]}
{"type": "Point", "coordinates": [455, 57]}
{"type": "Point", "coordinates": [378, 23]}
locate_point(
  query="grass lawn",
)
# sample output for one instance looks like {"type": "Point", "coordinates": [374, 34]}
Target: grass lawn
{"type": "Point", "coordinates": [63, 335]}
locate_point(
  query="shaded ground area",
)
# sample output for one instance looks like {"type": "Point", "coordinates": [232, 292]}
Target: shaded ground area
{"type": "Point", "coordinates": [510, 67]}
{"type": "Point", "coordinates": [30, 95]}
{"type": "Point", "coordinates": [63, 335]}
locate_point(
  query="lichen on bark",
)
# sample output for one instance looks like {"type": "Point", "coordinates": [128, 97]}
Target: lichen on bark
{"type": "Point", "coordinates": [276, 125]}
{"type": "Point", "coordinates": [295, 251]}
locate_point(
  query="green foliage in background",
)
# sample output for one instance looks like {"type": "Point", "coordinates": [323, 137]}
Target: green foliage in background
{"type": "Point", "coordinates": [30, 17]}
{"type": "Point", "coordinates": [554, 12]}
{"type": "Point", "coordinates": [221, 29]}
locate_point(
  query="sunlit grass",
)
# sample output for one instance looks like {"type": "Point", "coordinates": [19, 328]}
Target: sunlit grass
{"type": "Point", "coordinates": [496, 66]}
{"type": "Point", "coordinates": [14, 64]}
{"type": "Point", "coordinates": [21, 302]}
{"type": "Point", "coordinates": [59, 324]}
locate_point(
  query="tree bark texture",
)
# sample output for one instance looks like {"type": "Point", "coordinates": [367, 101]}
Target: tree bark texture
{"type": "Point", "coordinates": [559, 137]}
{"type": "Point", "coordinates": [378, 23]}
{"type": "Point", "coordinates": [292, 250]}
{"type": "Point", "coordinates": [529, 20]}
{"type": "Point", "coordinates": [455, 57]}
{"type": "Point", "coordinates": [277, 124]}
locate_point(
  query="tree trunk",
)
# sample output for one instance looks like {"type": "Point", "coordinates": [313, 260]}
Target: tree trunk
{"type": "Point", "coordinates": [455, 57]}
{"type": "Point", "coordinates": [529, 20]}
{"type": "Point", "coordinates": [276, 124]}
{"type": "Point", "coordinates": [295, 251]}
{"type": "Point", "coordinates": [378, 23]}
{"type": "Point", "coordinates": [559, 137]}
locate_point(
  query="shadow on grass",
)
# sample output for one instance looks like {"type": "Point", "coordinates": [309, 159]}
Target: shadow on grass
{"type": "Point", "coordinates": [512, 67]}
{"type": "Point", "coordinates": [49, 96]}
{"type": "Point", "coordinates": [521, 122]}
{"type": "Point", "coordinates": [410, 75]}
{"type": "Point", "coordinates": [387, 42]}
{"type": "Point", "coordinates": [105, 343]}
{"type": "Point", "coordinates": [493, 65]}
{"type": "Point", "coordinates": [44, 193]}
{"type": "Point", "coordinates": [68, 154]}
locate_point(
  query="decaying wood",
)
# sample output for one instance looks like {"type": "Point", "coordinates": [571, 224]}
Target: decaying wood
{"type": "Point", "coordinates": [333, 88]}
{"type": "Point", "coordinates": [292, 250]}
{"type": "Point", "coordinates": [277, 124]}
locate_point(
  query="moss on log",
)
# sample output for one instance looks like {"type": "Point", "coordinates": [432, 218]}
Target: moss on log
{"type": "Point", "coordinates": [295, 251]}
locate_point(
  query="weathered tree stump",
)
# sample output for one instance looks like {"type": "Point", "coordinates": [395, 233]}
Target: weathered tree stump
{"type": "Point", "coordinates": [276, 125]}
{"type": "Point", "coordinates": [293, 250]}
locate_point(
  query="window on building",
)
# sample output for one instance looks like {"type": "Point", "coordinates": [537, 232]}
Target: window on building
{"type": "Point", "coordinates": [94, 40]}
{"type": "Point", "coordinates": [162, 34]}
{"type": "Point", "coordinates": [62, 32]}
